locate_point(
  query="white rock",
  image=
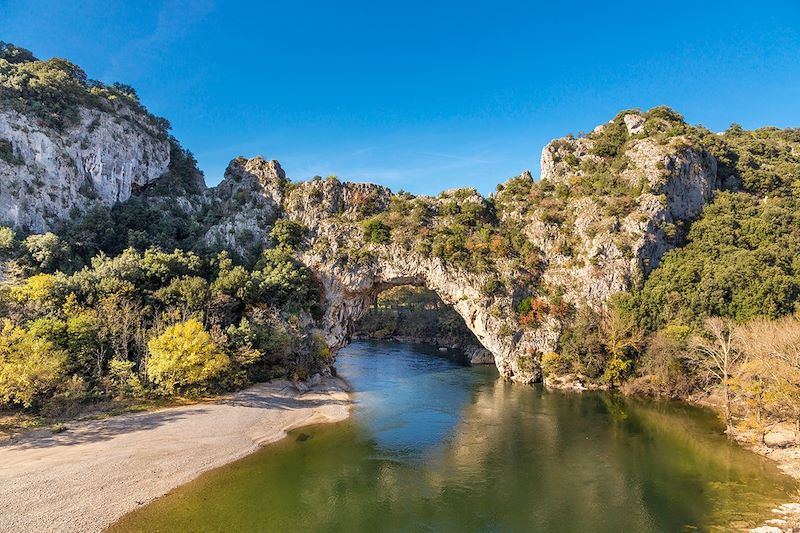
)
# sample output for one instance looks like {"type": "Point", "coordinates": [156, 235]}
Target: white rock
{"type": "Point", "coordinates": [634, 123]}
{"type": "Point", "coordinates": [97, 161]}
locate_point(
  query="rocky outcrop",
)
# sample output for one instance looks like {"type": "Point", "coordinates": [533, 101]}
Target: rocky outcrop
{"type": "Point", "coordinates": [247, 202]}
{"type": "Point", "coordinates": [598, 221]}
{"type": "Point", "coordinates": [612, 251]}
{"type": "Point", "coordinates": [609, 251]}
{"type": "Point", "coordinates": [100, 160]}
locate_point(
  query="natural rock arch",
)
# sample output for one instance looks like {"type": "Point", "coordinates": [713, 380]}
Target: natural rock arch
{"type": "Point", "coordinates": [351, 281]}
{"type": "Point", "coordinates": [581, 245]}
{"type": "Point", "coordinates": [348, 293]}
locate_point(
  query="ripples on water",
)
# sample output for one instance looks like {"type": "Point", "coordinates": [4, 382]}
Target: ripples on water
{"type": "Point", "coordinates": [435, 446]}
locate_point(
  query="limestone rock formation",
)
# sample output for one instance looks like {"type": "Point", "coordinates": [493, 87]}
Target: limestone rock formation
{"type": "Point", "coordinates": [613, 251]}
{"type": "Point", "coordinates": [607, 207]}
{"type": "Point", "coordinates": [594, 250]}
{"type": "Point", "coordinates": [99, 160]}
{"type": "Point", "coordinates": [248, 201]}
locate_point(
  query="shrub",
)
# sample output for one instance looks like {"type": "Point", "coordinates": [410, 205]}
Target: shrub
{"type": "Point", "coordinates": [492, 286]}
{"type": "Point", "coordinates": [287, 233]}
{"type": "Point", "coordinates": [7, 152]}
{"type": "Point", "coordinates": [611, 139]}
{"type": "Point", "coordinates": [29, 366]}
{"type": "Point", "coordinates": [375, 231]}
{"type": "Point", "coordinates": [184, 356]}
{"type": "Point", "coordinates": [553, 364]}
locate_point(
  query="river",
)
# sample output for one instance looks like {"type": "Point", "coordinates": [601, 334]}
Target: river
{"type": "Point", "coordinates": [436, 446]}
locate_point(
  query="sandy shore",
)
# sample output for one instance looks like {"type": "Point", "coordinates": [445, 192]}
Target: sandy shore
{"type": "Point", "coordinates": [87, 477]}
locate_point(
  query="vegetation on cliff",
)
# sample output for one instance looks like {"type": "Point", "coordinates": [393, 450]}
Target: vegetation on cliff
{"type": "Point", "coordinates": [616, 267]}
{"type": "Point", "coordinates": [54, 90]}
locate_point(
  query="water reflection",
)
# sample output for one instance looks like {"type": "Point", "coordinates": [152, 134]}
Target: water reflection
{"type": "Point", "coordinates": [434, 446]}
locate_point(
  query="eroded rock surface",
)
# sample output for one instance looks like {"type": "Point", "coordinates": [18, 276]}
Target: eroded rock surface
{"type": "Point", "coordinates": [99, 160]}
{"type": "Point", "coordinates": [597, 222]}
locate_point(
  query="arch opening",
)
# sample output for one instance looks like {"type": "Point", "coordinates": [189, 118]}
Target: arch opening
{"type": "Point", "coordinates": [413, 313]}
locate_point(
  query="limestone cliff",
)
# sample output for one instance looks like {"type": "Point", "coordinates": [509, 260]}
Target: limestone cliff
{"type": "Point", "coordinates": [248, 200]}
{"type": "Point", "coordinates": [514, 266]}
{"type": "Point", "coordinates": [603, 239]}
{"type": "Point", "coordinates": [610, 246]}
{"type": "Point", "coordinates": [99, 160]}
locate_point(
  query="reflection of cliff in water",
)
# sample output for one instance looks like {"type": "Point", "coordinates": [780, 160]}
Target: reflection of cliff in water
{"type": "Point", "coordinates": [434, 446]}
{"type": "Point", "coordinates": [591, 454]}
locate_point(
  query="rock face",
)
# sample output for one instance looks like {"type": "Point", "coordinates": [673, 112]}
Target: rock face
{"type": "Point", "coordinates": [612, 251]}
{"type": "Point", "coordinates": [609, 251]}
{"type": "Point", "coordinates": [249, 200]}
{"type": "Point", "coordinates": [99, 160]}
{"type": "Point", "coordinates": [607, 207]}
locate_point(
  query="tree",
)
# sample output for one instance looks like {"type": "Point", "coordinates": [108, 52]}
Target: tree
{"type": "Point", "coordinates": [29, 366]}
{"type": "Point", "coordinates": [773, 366]}
{"type": "Point", "coordinates": [375, 231]}
{"type": "Point", "coordinates": [623, 339]}
{"type": "Point", "coordinates": [664, 362]}
{"type": "Point", "coordinates": [717, 358]}
{"type": "Point", "coordinates": [287, 233]}
{"type": "Point", "coordinates": [46, 251]}
{"type": "Point", "coordinates": [6, 240]}
{"type": "Point", "coordinates": [184, 356]}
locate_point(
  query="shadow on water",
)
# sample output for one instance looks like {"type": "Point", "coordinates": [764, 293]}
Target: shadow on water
{"type": "Point", "coordinates": [434, 446]}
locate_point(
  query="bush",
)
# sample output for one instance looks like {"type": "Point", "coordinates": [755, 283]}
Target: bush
{"type": "Point", "coordinates": [287, 233]}
{"type": "Point", "coordinates": [7, 241]}
{"type": "Point", "coordinates": [610, 141]}
{"type": "Point", "coordinates": [554, 365]}
{"type": "Point", "coordinates": [375, 231]}
{"type": "Point", "coordinates": [184, 356]}
{"type": "Point", "coordinates": [29, 366]}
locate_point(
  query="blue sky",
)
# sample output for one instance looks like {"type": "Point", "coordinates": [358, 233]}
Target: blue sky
{"type": "Point", "coordinates": [421, 96]}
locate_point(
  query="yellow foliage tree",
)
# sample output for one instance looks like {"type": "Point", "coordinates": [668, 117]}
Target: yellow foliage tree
{"type": "Point", "coordinates": [29, 366]}
{"type": "Point", "coordinates": [35, 289]}
{"type": "Point", "coordinates": [183, 356]}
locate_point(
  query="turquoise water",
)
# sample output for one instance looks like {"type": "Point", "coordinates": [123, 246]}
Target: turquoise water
{"type": "Point", "coordinates": [435, 446]}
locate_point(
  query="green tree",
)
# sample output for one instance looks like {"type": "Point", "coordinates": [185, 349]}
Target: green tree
{"type": "Point", "coordinates": [47, 251]}
{"type": "Point", "coordinates": [287, 233]}
{"type": "Point", "coordinates": [375, 231]}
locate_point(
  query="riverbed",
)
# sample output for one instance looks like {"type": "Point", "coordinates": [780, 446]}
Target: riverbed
{"type": "Point", "coordinates": [436, 446]}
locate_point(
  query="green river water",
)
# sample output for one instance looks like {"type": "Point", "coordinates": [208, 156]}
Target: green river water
{"type": "Point", "coordinates": [435, 446]}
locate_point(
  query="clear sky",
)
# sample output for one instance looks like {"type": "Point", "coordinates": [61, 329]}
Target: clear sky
{"type": "Point", "coordinates": [421, 95]}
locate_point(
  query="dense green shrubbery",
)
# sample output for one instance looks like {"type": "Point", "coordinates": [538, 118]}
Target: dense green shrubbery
{"type": "Point", "coordinates": [741, 261]}
{"type": "Point", "coordinates": [54, 89]}
{"type": "Point", "coordinates": [113, 327]}
{"type": "Point", "coordinates": [375, 231]}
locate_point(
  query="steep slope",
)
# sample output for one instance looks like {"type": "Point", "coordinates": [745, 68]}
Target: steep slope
{"type": "Point", "coordinates": [516, 266]}
{"type": "Point", "coordinates": [68, 143]}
